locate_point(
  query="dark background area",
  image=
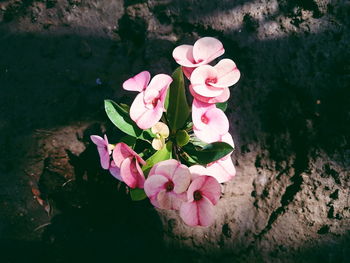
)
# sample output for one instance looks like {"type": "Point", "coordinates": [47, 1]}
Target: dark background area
{"type": "Point", "coordinates": [289, 118]}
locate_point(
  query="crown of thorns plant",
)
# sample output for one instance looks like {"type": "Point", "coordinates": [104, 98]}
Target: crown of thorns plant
{"type": "Point", "coordinates": [188, 150]}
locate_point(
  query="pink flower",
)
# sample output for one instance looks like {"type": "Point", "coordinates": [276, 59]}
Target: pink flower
{"type": "Point", "coordinates": [128, 162]}
{"type": "Point", "coordinates": [148, 106]}
{"type": "Point", "coordinates": [167, 183]}
{"type": "Point", "coordinates": [210, 84]}
{"type": "Point", "coordinates": [223, 169]}
{"type": "Point", "coordinates": [104, 149]}
{"type": "Point", "coordinates": [203, 51]}
{"type": "Point", "coordinates": [203, 193]}
{"type": "Point", "coordinates": [209, 122]}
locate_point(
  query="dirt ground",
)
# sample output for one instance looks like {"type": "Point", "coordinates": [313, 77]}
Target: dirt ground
{"type": "Point", "coordinates": [289, 115]}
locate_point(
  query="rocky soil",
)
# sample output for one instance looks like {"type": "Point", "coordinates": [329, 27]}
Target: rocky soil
{"type": "Point", "coordinates": [289, 114]}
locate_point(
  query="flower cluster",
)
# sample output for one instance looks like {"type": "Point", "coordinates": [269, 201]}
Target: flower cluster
{"type": "Point", "coordinates": [188, 152]}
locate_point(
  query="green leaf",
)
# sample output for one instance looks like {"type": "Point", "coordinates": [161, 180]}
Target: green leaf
{"type": "Point", "coordinates": [125, 107]}
{"type": "Point", "coordinates": [129, 140]}
{"type": "Point", "coordinates": [209, 153]}
{"type": "Point", "coordinates": [222, 105]}
{"type": "Point", "coordinates": [137, 194]}
{"type": "Point", "coordinates": [161, 155]}
{"type": "Point", "coordinates": [182, 137]}
{"type": "Point", "coordinates": [177, 110]}
{"type": "Point", "coordinates": [120, 118]}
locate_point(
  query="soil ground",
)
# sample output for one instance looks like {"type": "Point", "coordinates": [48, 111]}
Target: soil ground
{"type": "Point", "coordinates": [289, 115]}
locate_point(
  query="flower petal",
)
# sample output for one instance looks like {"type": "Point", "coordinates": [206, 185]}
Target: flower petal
{"type": "Point", "coordinates": [158, 144]}
{"type": "Point", "coordinates": [161, 128]}
{"type": "Point", "coordinates": [207, 49]}
{"type": "Point", "coordinates": [159, 82]}
{"type": "Point", "coordinates": [197, 213]}
{"type": "Point", "coordinates": [199, 109]}
{"type": "Point", "coordinates": [131, 173]}
{"type": "Point", "coordinates": [104, 157]}
{"type": "Point", "coordinates": [228, 73]}
{"type": "Point", "coordinates": [224, 96]}
{"type": "Point", "coordinates": [154, 184]}
{"type": "Point", "coordinates": [211, 189]}
{"type": "Point", "coordinates": [207, 90]}
{"type": "Point", "coordinates": [217, 120]}
{"type": "Point", "coordinates": [201, 74]}
{"type": "Point", "coordinates": [138, 82]}
{"type": "Point", "coordinates": [206, 135]}
{"type": "Point", "coordinates": [183, 55]}
{"type": "Point", "coordinates": [115, 171]}
{"type": "Point", "coordinates": [166, 168]}
{"type": "Point", "coordinates": [181, 179]}
{"type": "Point", "coordinates": [164, 200]}
{"type": "Point", "coordinates": [222, 170]}
{"type": "Point", "coordinates": [121, 152]}
{"type": "Point", "coordinates": [99, 141]}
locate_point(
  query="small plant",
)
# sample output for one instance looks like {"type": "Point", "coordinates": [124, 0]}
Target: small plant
{"type": "Point", "coordinates": [185, 152]}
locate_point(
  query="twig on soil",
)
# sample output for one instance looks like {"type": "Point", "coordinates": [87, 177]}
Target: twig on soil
{"type": "Point", "coordinates": [41, 226]}
{"type": "Point", "coordinates": [67, 182]}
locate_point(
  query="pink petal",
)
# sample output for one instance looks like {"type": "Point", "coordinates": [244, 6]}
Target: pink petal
{"type": "Point", "coordinates": [145, 118]}
{"type": "Point", "coordinates": [99, 141]}
{"type": "Point", "coordinates": [149, 96]}
{"type": "Point", "coordinates": [224, 96]}
{"type": "Point", "coordinates": [164, 200]}
{"type": "Point", "coordinates": [222, 170]}
{"type": "Point", "coordinates": [211, 189]}
{"type": "Point", "coordinates": [207, 90]}
{"type": "Point", "coordinates": [154, 184]}
{"type": "Point", "coordinates": [169, 200]}
{"type": "Point", "coordinates": [181, 179]}
{"type": "Point", "coordinates": [160, 82]}
{"type": "Point", "coordinates": [199, 213]}
{"type": "Point", "coordinates": [207, 49]}
{"type": "Point", "coordinates": [138, 82]}
{"type": "Point", "coordinates": [228, 73]}
{"type": "Point", "coordinates": [197, 170]}
{"type": "Point", "coordinates": [199, 109]}
{"type": "Point", "coordinates": [115, 171]}
{"type": "Point", "coordinates": [121, 152]}
{"type": "Point", "coordinates": [217, 120]}
{"type": "Point", "coordinates": [104, 157]}
{"type": "Point", "coordinates": [131, 173]}
{"type": "Point", "coordinates": [206, 135]}
{"type": "Point", "coordinates": [183, 55]}
{"type": "Point", "coordinates": [201, 74]}
{"type": "Point", "coordinates": [165, 168]}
